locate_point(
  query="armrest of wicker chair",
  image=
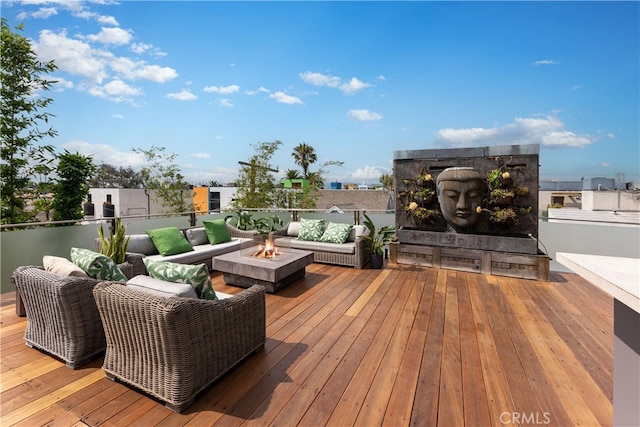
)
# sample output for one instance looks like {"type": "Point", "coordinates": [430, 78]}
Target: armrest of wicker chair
{"type": "Point", "coordinates": [62, 317]}
{"type": "Point", "coordinates": [236, 232]}
{"type": "Point", "coordinates": [173, 348]}
{"type": "Point", "coordinates": [363, 250]}
{"type": "Point", "coordinates": [136, 260]}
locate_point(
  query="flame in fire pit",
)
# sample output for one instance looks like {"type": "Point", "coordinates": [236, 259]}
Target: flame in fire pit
{"type": "Point", "coordinates": [267, 251]}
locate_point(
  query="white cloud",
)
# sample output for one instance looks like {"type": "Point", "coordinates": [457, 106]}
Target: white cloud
{"type": "Point", "coordinates": [142, 48]}
{"type": "Point", "coordinates": [225, 102]}
{"type": "Point", "coordinates": [201, 155]}
{"type": "Point", "coordinates": [225, 90]}
{"type": "Point", "coordinates": [103, 153]}
{"type": "Point", "coordinates": [368, 173]}
{"type": "Point", "coordinates": [348, 87]}
{"type": "Point", "coordinates": [116, 91]}
{"type": "Point", "coordinates": [184, 95]}
{"type": "Point", "coordinates": [118, 116]}
{"type": "Point", "coordinates": [79, 58]}
{"type": "Point", "coordinates": [319, 79]}
{"type": "Point", "coordinates": [260, 89]}
{"type": "Point", "coordinates": [42, 13]}
{"type": "Point", "coordinates": [364, 115]}
{"type": "Point", "coordinates": [113, 35]}
{"type": "Point", "coordinates": [156, 73]}
{"type": "Point", "coordinates": [544, 62]}
{"type": "Point", "coordinates": [75, 57]}
{"type": "Point", "coordinates": [283, 98]}
{"type": "Point", "coordinates": [605, 165]}
{"type": "Point", "coordinates": [353, 86]}
{"type": "Point", "coordinates": [547, 131]}
{"type": "Point", "coordinates": [61, 84]}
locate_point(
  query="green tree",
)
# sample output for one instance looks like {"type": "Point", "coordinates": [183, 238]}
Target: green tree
{"type": "Point", "coordinates": [387, 181]}
{"type": "Point", "coordinates": [164, 178]}
{"type": "Point", "coordinates": [108, 176]}
{"type": "Point", "coordinates": [71, 186]}
{"type": "Point", "coordinates": [292, 174]}
{"type": "Point", "coordinates": [304, 155]}
{"type": "Point", "coordinates": [22, 108]}
{"type": "Point", "coordinates": [256, 186]}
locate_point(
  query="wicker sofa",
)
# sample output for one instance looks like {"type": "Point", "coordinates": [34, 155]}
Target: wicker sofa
{"type": "Point", "coordinates": [62, 318]}
{"type": "Point", "coordinates": [141, 246]}
{"type": "Point", "coordinates": [173, 348]}
{"type": "Point", "coordinates": [353, 253]}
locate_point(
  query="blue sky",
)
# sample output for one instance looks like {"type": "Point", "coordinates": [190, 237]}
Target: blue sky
{"type": "Point", "coordinates": [355, 80]}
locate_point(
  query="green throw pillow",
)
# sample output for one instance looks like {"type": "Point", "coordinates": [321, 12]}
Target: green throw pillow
{"type": "Point", "coordinates": [195, 275]}
{"type": "Point", "coordinates": [310, 229]}
{"type": "Point", "coordinates": [96, 265]}
{"type": "Point", "coordinates": [336, 233]}
{"type": "Point", "coordinates": [217, 231]}
{"type": "Point", "coordinates": [169, 241]}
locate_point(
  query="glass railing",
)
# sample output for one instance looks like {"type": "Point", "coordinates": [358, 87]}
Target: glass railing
{"type": "Point", "coordinates": [28, 246]}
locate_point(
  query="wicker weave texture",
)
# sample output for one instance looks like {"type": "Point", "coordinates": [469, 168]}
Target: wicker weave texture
{"type": "Point", "coordinates": [173, 348]}
{"type": "Point", "coordinates": [62, 317]}
{"type": "Point", "coordinates": [358, 259]}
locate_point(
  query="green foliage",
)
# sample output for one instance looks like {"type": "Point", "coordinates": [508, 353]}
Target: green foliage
{"type": "Point", "coordinates": [304, 155]}
{"type": "Point", "coordinates": [71, 187]}
{"type": "Point", "coordinates": [244, 220]}
{"type": "Point", "coordinates": [164, 178]}
{"type": "Point", "coordinates": [292, 174]}
{"type": "Point", "coordinates": [22, 112]}
{"type": "Point", "coordinates": [378, 237]}
{"type": "Point", "coordinates": [115, 247]}
{"type": "Point", "coordinates": [387, 181]}
{"type": "Point", "coordinates": [108, 176]}
{"type": "Point", "coordinates": [256, 185]}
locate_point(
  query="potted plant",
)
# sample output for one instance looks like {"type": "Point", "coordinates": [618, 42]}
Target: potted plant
{"type": "Point", "coordinates": [378, 238]}
{"type": "Point", "coordinates": [115, 247]}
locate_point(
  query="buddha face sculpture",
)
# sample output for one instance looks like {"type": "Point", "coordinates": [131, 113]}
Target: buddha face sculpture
{"type": "Point", "coordinates": [460, 191]}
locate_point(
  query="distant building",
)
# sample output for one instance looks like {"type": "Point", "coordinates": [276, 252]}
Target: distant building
{"type": "Point", "coordinates": [206, 199]}
{"type": "Point", "coordinates": [295, 183]}
{"type": "Point", "coordinates": [109, 202]}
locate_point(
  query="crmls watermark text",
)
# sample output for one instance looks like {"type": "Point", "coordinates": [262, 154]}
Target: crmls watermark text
{"type": "Point", "coordinates": [525, 418]}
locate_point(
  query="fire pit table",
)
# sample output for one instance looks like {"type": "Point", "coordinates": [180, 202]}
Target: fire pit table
{"type": "Point", "coordinates": [244, 268]}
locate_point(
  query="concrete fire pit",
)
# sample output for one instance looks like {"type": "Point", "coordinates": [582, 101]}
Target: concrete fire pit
{"type": "Point", "coordinates": [242, 269]}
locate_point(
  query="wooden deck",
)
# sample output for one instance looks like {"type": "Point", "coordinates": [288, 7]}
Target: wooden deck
{"type": "Point", "coordinates": [399, 346]}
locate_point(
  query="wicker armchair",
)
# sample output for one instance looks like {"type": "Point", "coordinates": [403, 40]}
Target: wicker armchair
{"type": "Point", "coordinates": [173, 348]}
{"type": "Point", "coordinates": [62, 318]}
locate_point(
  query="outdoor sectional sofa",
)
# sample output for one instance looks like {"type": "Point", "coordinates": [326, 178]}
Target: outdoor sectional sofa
{"type": "Point", "coordinates": [141, 246]}
{"type": "Point", "coordinates": [352, 253]}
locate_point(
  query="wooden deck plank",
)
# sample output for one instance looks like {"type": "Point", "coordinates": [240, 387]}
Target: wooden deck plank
{"type": "Point", "coordinates": [399, 346]}
{"type": "Point", "coordinates": [348, 408]}
{"type": "Point", "coordinates": [403, 393]}
{"type": "Point", "coordinates": [559, 363]}
{"type": "Point", "coordinates": [360, 333]}
{"type": "Point", "coordinates": [375, 405]}
{"type": "Point", "coordinates": [450, 409]}
{"type": "Point", "coordinates": [474, 399]}
{"type": "Point", "coordinates": [495, 382]}
{"type": "Point", "coordinates": [425, 403]}
{"type": "Point", "coordinates": [540, 383]}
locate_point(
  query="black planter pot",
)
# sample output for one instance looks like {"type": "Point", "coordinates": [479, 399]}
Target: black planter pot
{"type": "Point", "coordinates": [376, 260]}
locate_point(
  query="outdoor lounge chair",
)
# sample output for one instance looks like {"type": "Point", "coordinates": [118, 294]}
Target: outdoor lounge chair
{"type": "Point", "coordinates": [62, 318]}
{"type": "Point", "coordinates": [173, 348]}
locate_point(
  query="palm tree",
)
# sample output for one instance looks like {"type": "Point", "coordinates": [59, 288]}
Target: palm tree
{"type": "Point", "coordinates": [292, 174]}
{"type": "Point", "coordinates": [304, 155]}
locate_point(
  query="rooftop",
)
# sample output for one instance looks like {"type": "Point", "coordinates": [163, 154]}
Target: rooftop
{"type": "Point", "coordinates": [398, 346]}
